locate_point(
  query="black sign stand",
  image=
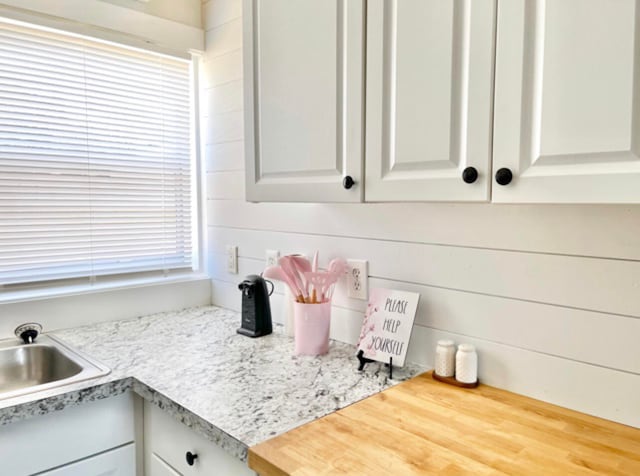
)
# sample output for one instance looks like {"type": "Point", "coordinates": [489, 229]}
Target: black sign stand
{"type": "Point", "coordinates": [363, 360]}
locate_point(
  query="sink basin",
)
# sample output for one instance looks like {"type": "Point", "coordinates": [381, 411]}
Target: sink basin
{"type": "Point", "coordinates": [45, 364]}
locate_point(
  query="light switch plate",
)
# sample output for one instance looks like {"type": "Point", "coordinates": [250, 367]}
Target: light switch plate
{"type": "Point", "coordinates": [272, 257]}
{"type": "Point", "coordinates": [358, 279]}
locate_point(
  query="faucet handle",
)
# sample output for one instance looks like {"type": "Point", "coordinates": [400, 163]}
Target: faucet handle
{"type": "Point", "coordinates": [28, 332]}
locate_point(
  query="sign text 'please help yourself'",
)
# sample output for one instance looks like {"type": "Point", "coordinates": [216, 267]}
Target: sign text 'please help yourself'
{"type": "Point", "coordinates": [387, 325]}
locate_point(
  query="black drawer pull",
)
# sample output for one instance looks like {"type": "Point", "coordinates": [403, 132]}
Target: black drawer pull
{"type": "Point", "coordinates": [191, 458]}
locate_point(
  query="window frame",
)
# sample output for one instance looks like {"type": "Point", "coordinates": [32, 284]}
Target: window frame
{"type": "Point", "coordinates": [19, 292]}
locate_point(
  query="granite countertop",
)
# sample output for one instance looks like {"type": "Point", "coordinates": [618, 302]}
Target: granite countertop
{"type": "Point", "coordinates": [234, 390]}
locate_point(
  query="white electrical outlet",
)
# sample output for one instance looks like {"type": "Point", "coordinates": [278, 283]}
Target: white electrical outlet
{"type": "Point", "coordinates": [272, 257]}
{"type": "Point", "coordinates": [232, 259]}
{"type": "Point", "coordinates": [358, 279]}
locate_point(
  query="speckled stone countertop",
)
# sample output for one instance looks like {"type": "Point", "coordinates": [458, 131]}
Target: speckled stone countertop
{"type": "Point", "coordinates": [235, 390]}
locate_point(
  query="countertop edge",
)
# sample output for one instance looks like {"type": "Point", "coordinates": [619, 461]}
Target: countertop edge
{"type": "Point", "coordinates": [42, 405]}
{"type": "Point", "coordinates": [191, 420]}
{"type": "Point", "coordinates": [53, 403]}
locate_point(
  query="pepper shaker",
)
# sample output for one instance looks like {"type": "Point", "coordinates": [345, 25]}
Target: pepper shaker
{"type": "Point", "coordinates": [466, 364]}
{"type": "Point", "coordinates": [445, 358]}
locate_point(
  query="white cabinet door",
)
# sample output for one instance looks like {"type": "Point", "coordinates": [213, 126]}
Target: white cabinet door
{"type": "Point", "coordinates": [117, 462]}
{"type": "Point", "coordinates": [429, 98]}
{"type": "Point", "coordinates": [57, 438]}
{"type": "Point", "coordinates": [303, 70]}
{"type": "Point", "coordinates": [567, 106]}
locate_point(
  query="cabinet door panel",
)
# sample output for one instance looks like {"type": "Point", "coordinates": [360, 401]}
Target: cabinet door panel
{"type": "Point", "coordinates": [117, 462]}
{"type": "Point", "coordinates": [158, 467]}
{"type": "Point", "coordinates": [92, 427]}
{"type": "Point", "coordinates": [567, 114]}
{"type": "Point", "coordinates": [303, 91]}
{"type": "Point", "coordinates": [429, 87]}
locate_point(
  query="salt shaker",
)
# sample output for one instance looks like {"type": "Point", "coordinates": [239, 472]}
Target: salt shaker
{"type": "Point", "coordinates": [445, 358]}
{"type": "Point", "coordinates": [466, 364]}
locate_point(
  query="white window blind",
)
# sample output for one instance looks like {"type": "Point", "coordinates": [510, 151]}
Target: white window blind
{"type": "Point", "coordinates": [95, 158]}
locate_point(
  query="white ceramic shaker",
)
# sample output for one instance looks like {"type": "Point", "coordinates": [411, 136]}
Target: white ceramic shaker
{"type": "Point", "coordinates": [445, 358]}
{"type": "Point", "coordinates": [466, 364]}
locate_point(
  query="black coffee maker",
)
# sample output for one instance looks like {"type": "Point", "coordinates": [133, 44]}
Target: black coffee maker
{"type": "Point", "coordinates": [256, 312]}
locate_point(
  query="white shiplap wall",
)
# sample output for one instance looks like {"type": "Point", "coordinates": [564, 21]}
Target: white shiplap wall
{"type": "Point", "coordinates": [550, 295]}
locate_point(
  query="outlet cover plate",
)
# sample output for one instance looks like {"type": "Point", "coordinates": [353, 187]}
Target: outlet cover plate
{"type": "Point", "coordinates": [358, 279]}
{"type": "Point", "coordinates": [232, 259]}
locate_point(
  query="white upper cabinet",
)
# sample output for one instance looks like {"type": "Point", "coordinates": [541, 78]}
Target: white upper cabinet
{"type": "Point", "coordinates": [304, 96]}
{"type": "Point", "coordinates": [518, 101]}
{"type": "Point", "coordinates": [567, 106]}
{"type": "Point", "coordinates": [429, 98]}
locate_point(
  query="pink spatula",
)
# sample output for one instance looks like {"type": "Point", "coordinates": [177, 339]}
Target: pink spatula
{"type": "Point", "coordinates": [277, 273]}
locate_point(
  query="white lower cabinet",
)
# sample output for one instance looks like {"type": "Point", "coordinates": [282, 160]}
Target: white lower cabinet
{"type": "Point", "coordinates": [167, 442]}
{"type": "Point", "coordinates": [105, 438]}
{"type": "Point", "coordinates": [117, 462]}
{"type": "Point", "coordinates": [92, 439]}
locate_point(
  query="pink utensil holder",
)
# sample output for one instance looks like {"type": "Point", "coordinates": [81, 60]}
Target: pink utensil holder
{"type": "Point", "coordinates": [312, 323]}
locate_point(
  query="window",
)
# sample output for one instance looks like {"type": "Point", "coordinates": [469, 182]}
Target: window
{"type": "Point", "coordinates": [96, 165]}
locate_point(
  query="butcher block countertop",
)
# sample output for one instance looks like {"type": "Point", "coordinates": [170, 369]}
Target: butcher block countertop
{"type": "Point", "coordinates": [422, 426]}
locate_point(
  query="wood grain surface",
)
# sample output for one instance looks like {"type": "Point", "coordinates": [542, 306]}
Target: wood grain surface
{"type": "Point", "coordinates": [427, 427]}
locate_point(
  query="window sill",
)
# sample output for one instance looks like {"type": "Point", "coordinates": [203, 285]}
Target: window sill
{"type": "Point", "coordinates": [25, 295]}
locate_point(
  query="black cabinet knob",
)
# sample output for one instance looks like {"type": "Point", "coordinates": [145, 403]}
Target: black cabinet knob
{"type": "Point", "coordinates": [191, 458]}
{"type": "Point", "coordinates": [348, 182]}
{"type": "Point", "coordinates": [504, 176]}
{"type": "Point", "coordinates": [469, 175]}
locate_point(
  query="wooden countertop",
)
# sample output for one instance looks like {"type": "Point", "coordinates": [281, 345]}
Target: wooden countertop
{"type": "Point", "coordinates": [424, 427]}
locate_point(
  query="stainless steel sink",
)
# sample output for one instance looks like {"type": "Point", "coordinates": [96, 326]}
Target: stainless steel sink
{"type": "Point", "coordinates": [45, 364]}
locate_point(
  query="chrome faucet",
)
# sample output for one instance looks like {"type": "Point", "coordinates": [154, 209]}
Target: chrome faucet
{"type": "Point", "coordinates": [28, 332]}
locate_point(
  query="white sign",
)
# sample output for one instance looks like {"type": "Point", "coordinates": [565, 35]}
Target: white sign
{"type": "Point", "coordinates": [387, 325]}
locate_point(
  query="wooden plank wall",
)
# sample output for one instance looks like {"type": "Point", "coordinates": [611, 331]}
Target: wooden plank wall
{"type": "Point", "coordinates": [549, 294]}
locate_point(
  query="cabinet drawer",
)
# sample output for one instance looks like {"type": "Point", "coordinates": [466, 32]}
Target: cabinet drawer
{"type": "Point", "coordinates": [169, 440]}
{"type": "Point", "coordinates": [54, 439]}
{"type": "Point", "coordinates": [117, 462]}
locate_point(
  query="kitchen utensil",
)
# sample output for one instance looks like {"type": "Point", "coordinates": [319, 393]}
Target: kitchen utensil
{"type": "Point", "coordinates": [287, 265]}
{"type": "Point", "coordinates": [337, 268]}
{"type": "Point", "coordinates": [314, 269]}
{"type": "Point", "coordinates": [277, 273]}
{"type": "Point", "coordinates": [302, 265]}
{"type": "Point", "coordinates": [322, 284]}
{"type": "Point", "coordinates": [256, 312]}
